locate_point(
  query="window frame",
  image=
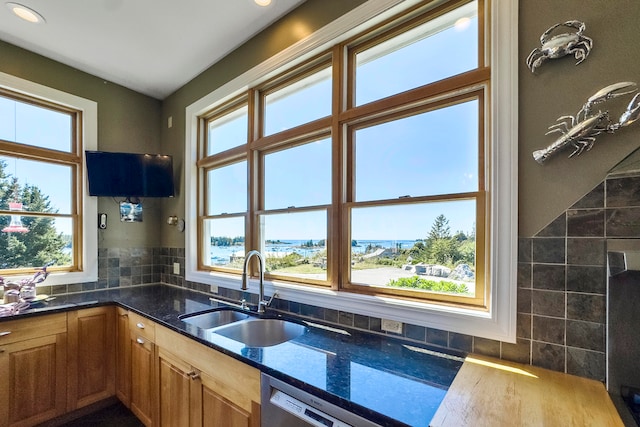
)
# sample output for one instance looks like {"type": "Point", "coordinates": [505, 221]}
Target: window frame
{"type": "Point", "coordinates": [473, 92]}
{"type": "Point", "coordinates": [85, 268]}
{"type": "Point", "coordinates": [498, 321]}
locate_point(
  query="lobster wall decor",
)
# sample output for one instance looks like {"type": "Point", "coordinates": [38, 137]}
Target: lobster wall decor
{"type": "Point", "coordinates": [560, 45]}
{"type": "Point", "coordinates": [581, 130]}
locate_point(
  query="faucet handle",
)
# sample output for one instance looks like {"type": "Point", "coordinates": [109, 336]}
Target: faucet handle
{"type": "Point", "coordinates": [264, 303]}
{"type": "Point", "coordinates": [268, 303]}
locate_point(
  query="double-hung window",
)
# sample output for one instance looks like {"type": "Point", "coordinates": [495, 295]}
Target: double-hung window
{"type": "Point", "coordinates": [367, 169]}
{"type": "Point", "coordinates": [43, 207]}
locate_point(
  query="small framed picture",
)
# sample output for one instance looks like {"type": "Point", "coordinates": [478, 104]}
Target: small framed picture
{"type": "Point", "coordinates": [130, 212]}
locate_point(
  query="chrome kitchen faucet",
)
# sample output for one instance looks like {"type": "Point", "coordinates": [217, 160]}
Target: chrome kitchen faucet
{"type": "Point", "coordinates": [262, 303]}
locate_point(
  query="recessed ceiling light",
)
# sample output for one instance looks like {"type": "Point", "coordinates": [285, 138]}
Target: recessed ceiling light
{"type": "Point", "coordinates": [263, 2]}
{"type": "Point", "coordinates": [25, 13]}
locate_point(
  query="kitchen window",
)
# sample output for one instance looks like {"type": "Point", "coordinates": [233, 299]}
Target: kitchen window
{"type": "Point", "coordinates": [371, 171]}
{"type": "Point", "coordinates": [43, 207]}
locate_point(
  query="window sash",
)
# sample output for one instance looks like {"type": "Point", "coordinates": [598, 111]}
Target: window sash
{"type": "Point", "coordinates": [480, 298]}
{"type": "Point", "coordinates": [421, 29]}
{"type": "Point", "coordinates": [72, 159]}
{"type": "Point", "coordinates": [205, 224]}
{"type": "Point", "coordinates": [261, 219]}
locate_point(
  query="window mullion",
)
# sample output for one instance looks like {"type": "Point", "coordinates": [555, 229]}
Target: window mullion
{"type": "Point", "coordinates": [335, 225]}
{"type": "Point", "coordinates": [254, 195]}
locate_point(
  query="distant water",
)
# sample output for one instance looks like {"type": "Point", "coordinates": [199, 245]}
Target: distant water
{"type": "Point", "coordinates": [220, 254]}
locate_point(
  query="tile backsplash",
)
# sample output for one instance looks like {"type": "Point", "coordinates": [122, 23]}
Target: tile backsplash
{"type": "Point", "coordinates": [561, 303]}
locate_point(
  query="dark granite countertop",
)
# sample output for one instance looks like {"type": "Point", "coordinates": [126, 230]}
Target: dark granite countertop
{"type": "Point", "coordinates": [380, 378]}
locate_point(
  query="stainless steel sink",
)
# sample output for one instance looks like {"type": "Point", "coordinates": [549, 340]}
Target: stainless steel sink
{"type": "Point", "coordinates": [261, 332]}
{"type": "Point", "coordinates": [213, 319]}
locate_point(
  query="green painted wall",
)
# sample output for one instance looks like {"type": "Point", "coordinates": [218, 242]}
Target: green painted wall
{"type": "Point", "coordinates": [560, 88]}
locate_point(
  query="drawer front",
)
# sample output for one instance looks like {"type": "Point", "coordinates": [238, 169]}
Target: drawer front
{"type": "Point", "coordinates": [142, 326]}
{"type": "Point", "coordinates": [33, 327]}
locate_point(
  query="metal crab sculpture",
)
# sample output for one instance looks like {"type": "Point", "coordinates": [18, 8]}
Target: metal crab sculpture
{"type": "Point", "coordinates": [581, 130]}
{"type": "Point", "coordinates": [561, 45]}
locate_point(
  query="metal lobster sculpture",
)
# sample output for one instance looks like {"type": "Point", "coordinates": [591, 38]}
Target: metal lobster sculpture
{"type": "Point", "coordinates": [561, 45]}
{"type": "Point", "coordinates": [581, 130]}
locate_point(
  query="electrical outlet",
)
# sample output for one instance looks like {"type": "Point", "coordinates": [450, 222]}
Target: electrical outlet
{"type": "Point", "coordinates": [176, 268]}
{"type": "Point", "coordinates": [391, 326]}
{"type": "Point", "coordinates": [214, 289]}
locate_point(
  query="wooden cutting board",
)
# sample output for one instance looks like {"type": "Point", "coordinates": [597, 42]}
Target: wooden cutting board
{"type": "Point", "coordinates": [493, 392]}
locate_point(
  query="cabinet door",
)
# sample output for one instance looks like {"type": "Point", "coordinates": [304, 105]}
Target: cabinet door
{"type": "Point", "coordinates": [143, 392]}
{"type": "Point", "coordinates": [123, 357]}
{"type": "Point", "coordinates": [225, 392]}
{"type": "Point", "coordinates": [176, 378]}
{"type": "Point", "coordinates": [33, 380]}
{"type": "Point", "coordinates": [220, 412]}
{"type": "Point", "coordinates": [91, 363]}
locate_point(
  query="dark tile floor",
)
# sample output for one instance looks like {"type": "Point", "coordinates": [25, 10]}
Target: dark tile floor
{"type": "Point", "coordinates": [115, 415]}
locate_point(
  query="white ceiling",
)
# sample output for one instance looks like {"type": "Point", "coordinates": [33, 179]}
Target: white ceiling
{"type": "Point", "coordinates": [151, 46]}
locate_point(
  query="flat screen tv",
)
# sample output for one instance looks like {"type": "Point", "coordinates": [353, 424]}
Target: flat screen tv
{"type": "Point", "coordinates": [129, 174]}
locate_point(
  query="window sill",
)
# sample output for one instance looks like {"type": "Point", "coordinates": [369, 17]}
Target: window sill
{"type": "Point", "coordinates": [454, 319]}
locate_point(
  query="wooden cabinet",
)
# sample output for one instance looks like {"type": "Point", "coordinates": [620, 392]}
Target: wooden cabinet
{"type": "Point", "coordinates": [188, 397]}
{"type": "Point", "coordinates": [143, 368]}
{"type": "Point", "coordinates": [203, 387]}
{"type": "Point", "coordinates": [178, 390]}
{"type": "Point", "coordinates": [123, 357]}
{"type": "Point", "coordinates": [54, 364]}
{"type": "Point", "coordinates": [33, 370]}
{"type": "Point", "coordinates": [218, 411]}
{"type": "Point", "coordinates": [91, 356]}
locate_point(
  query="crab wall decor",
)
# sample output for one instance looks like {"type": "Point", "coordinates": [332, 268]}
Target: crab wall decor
{"type": "Point", "coordinates": [581, 130]}
{"type": "Point", "coordinates": [561, 45]}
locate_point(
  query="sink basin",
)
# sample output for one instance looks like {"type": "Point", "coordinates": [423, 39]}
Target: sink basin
{"type": "Point", "coordinates": [261, 332]}
{"type": "Point", "coordinates": [213, 319]}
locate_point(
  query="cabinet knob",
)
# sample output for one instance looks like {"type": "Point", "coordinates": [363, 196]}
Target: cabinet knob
{"type": "Point", "coordinates": [139, 340]}
{"type": "Point", "coordinates": [1, 350]}
{"type": "Point", "coordinates": [2, 334]}
{"type": "Point", "coordinates": [140, 325]}
{"type": "Point", "coordinates": [194, 375]}
{"type": "Point", "coordinates": [124, 315]}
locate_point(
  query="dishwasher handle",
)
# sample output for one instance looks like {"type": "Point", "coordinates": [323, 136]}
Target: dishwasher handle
{"type": "Point", "coordinates": [286, 405]}
{"type": "Point", "coordinates": [309, 414]}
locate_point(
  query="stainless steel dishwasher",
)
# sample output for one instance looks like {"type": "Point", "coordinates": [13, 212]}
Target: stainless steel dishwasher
{"type": "Point", "coordinates": [284, 405]}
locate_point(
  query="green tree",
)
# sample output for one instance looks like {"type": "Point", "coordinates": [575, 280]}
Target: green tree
{"type": "Point", "coordinates": [467, 252]}
{"type": "Point", "coordinates": [42, 244]}
{"type": "Point", "coordinates": [417, 252]}
{"type": "Point", "coordinates": [440, 229]}
{"type": "Point", "coordinates": [440, 247]}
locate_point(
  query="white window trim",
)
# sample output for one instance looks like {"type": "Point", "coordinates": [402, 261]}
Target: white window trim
{"type": "Point", "coordinates": [89, 110]}
{"type": "Point", "coordinates": [499, 322]}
